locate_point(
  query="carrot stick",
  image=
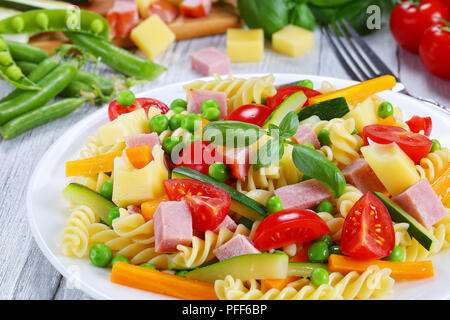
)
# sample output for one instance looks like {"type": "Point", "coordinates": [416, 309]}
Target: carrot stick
{"type": "Point", "coordinates": [160, 282]}
{"type": "Point", "coordinates": [148, 208]}
{"type": "Point", "coordinates": [278, 284]}
{"type": "Point", "coordinates": [86, 167]}
{"type": "Point", "coordinates": [400, 270]}
{"type": "Point", "coordinates": [359, 91]}
{"type": "Point", "coordinates": [139, 156]}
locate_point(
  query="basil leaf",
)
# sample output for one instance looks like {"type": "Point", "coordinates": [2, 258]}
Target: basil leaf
{"type": "Point", "coordinates": [303, 17]}
{"type": "Point", "coordinates": [315, 165]}
{"type": "Point", "coordinates": [269, 153]}
{"type": "Point", "coordinates": [232, 134]}
{"type": "Point", "coordinates": [289, 125]}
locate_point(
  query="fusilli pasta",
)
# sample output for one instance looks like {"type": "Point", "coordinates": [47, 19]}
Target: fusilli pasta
{"type": "Point", "coordinates": [134, 227]}
{"type": "Point", "coordinates": [433, 164]}
{"type": "Point", "coordinates": [334, 224]}
{"type": "Point", "coordinates": [348, 199]}
{"type": "Point", "coordinates": [94, 148]}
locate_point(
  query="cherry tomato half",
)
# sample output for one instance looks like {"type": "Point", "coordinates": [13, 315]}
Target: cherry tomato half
{"type": "Point", "coordinates": [284, 92]}
{"type": "Point", "coordinates": [289, 226]}
{"type": "Point", "coordinates": [415, 145]}
{"type": "Point", "coordinates": [255, 114]}
{"type": "Point", "coordinates": [368, 232]}
{"type": "Point", "coordinates": [417, 124]}
{"type": "Point", "coordinates": [116, 110]}
{"type": "Point", "coordinates": [209, 204]}
{"type": "Point", "coordinates": [198, 155]}
{"type": "Point", "coordinates": [164, 9]}
{"type": "Point", "coordinates": [194, 10]}
{"type": "Point", "coordinates": [434, 51]}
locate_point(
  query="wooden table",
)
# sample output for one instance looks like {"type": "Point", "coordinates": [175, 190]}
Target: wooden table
{"type": "Point", "coordinates": [25, 273]}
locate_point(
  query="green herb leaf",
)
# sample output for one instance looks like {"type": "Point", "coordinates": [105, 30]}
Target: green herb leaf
{"type": "Point", "coordinates": [232, 134]}
{"type": "Point", "coordinates": [269, 153]}
{"type": "Point", "coordinates": [289, 125]}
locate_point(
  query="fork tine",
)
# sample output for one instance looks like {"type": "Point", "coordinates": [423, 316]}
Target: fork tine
{"type": "Point", "coordinates": [376, 61]}
{"type": "Point", "coordinates": [339, 54]}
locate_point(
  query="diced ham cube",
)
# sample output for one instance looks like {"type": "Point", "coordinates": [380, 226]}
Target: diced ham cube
{"type": "Point", "coordinates": [195, 8]}
{"type": "Point", "coordinates": [133, 209]}
{"type": "Point", "coordinates": [227, 223]}
{"type": "Point", "coordinates": [422, 203]}
{"type": "Point", "coordinates": [237, 246]}
{"type": "Point", "coordinates": [164, 9]}
{"type": "Point", "coordinates": [361, 175]}
{"type": "Point", "coordinates": [237, 159]}
{"type": "Point", "coordinates": [122, 18]}
{"type": "Point", "coordinates": [172, 225]}
{"type": "Point", "coordinates": [198, 96]}
{"type": "Point", "coordinates": [304, 195]}
{"type": "Point", "coordinates": [305, 134]}
{"type": "Point", "coordinates": [210, 61]}
{"type": "Point", "coordinates": [139, 140]}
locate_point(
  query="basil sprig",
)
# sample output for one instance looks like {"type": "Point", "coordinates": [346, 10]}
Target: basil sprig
{"type": "Point", "coordinates": [232, 134]}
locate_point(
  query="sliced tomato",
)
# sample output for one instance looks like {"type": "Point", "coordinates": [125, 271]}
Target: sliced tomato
{"type": "Point", "coordinates": [415, 145]}
{"type": "Point", "coordinates": [195, 8]}
{"type": "Point", "coordinates": [122, 18]}
{"type": "Point", "coordinates": [255, 114]}
{"type": "Point", "coordinates": [198, 155]}
{"type": "Point", "coordinates": [164, 9]}
{"type": "Point", "coordinates": [284, 92]}
{"type": "Point", "coordinates": [417, 124]}
{"type": "Point", "coordinates": [209, 204]}
{"type": "Point", "coordinates": [116, 109]}
{"type": "Point", "coordinates": [368, 232]}
{"type": "Point", "coordinates": [289, 226]}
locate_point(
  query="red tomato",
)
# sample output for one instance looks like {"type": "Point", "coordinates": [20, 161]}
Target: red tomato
{"type": "Point", "coordinates": [198, 155]}
{"type": "Point", "coordinates": [368, 232]}
{"type": "Point", "coordinates": [409, 22]}
{"type": "Point", "coordinates": [284, 92]}
{"type": "Point", "coordinates": [195, 9]}
{"type": "Point", "coordinates": [434, 51]}
{"type": "Point", "coordinates": [289, 226]}
{"type": "Point", "coordinates": [116, 110]}
{"type": "Point", "coordinates": [417, 124]}
{"type": "Point", "coordinates": [209, 203]}
{"type": "Point", "coordinates": [165, 10]}
{"type": "Point", "coordinates": [415, 145]}
{"type": "Point", "coordinates": [122, 18]}
{"type": "Point", "coordinates": [256, 114]}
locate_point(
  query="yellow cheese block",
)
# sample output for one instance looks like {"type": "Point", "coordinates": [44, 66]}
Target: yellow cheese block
{"type": "Point", "coordinates": [143, 6]}
{"type": "Point", "coordinates": [153, 37]}
{"type": "Point", "coordinates": [364, 114]}
{"type": "Point", "coordinates": [392, 166]}
{"type": "Point", "coordinates": [293, 41]}
{"type": "Point", "coordinates": [245, 45]}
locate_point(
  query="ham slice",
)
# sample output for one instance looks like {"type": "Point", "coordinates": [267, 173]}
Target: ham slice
{"type": "Point", "coordinates": [122, 18]}
{"type": "Point", "coordinates": [305, 134]}
{"type": "Point", "coordinates": [198, 96]}
{"type": "Point", "coordinates": [237, 246]}
{"type": "Point", "coordinates": [304, 195]}
{"type": "Point", "coordinates": [227, 223]}
{"type": "Point", "coordinates": [237, 159]}
{"type": "Point", "coordinates": [361, 175]}
{"type": "Point", "coordinates": [209, 61]}
{"type": "Point", "coordinates": [164, 9]}
{"type": "Point", "coordinates": [139, 140]}
{"type": "Point", "coordinates": [195, 8]}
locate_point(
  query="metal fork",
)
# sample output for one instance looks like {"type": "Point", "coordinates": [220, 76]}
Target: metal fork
{"type": "Point", "coordinates": [360, 61]}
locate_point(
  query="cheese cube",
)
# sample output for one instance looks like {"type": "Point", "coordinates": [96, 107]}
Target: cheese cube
{"type": "Point", "coordinates": [364, 114]}
{"type": "Point", "coordinates": [245, 45]}
{"type": "Point", "coordinates": [293, 41]}
{"type": "Point", "coordinates": [153, 37]}
{"type": "Point", "coordinates": [392, 166]}
{"type": "Point", "coordinates": [143, 6]}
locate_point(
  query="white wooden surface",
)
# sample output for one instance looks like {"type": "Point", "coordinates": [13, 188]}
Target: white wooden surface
{"type": "Point", "coordinates": [26, 274]}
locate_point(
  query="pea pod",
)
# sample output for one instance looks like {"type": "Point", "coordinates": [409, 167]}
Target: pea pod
{"type": "Point", "coordinates": [34, 21]}
{"type": "Point", "coordinates": [27, 67]}
{"type": "Point", "coordinates": [26, 52]}
{"type": "Point", "coordinates": [52, 84]}
{"type": "Point", "coordinates": [117, 58]}
{"type": "Point", "coordinates": [40, 116]}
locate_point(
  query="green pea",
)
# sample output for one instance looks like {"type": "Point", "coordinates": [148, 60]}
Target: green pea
{"type": "Point", "coordinates": [42, 20]}
{"type": "Point", "coordinates": [219, 171]}
{"type": "Point", "coordinates": [18, 24]}
{"type": "Point", "coordinates": [182, 273]}
{"type": "Point", "coordinates": [3, 45]}
{"type": "Point", "coordinates": [119, 257]}
{"type": "Point", "coordinates": [159, 123]}
{"type": "Point", "coordinates": [335, 250]}
{"type": "Point", "coordinates": [191, 122]}
{"type": "Point", "coordinates": [72, 21]}
{"type": "Point", "coordinates": [175, 121]}
{"type": "Point", "coordinates": [14, 72]}
{"type": "Point", "coordinates": [211, 114]}
{"type": "Point", "coordinates": [100, 255]}
{"type": "Point", "coordinates": [148, 265]}
{"type": "Point", "coordinates": [318, 252]}
{"type": "Point", "coordinates": [385, 109]}
{"type": "Point", "coordinates": [264, 101]}
{"type": "Point", "coordinates": [319, 276]}
{"type": "Point", "coordinates": [113, 214]}
{"type": "Point", "coordinates": [195, 137]}
{"type": "Point", "coordinates": [396, 254]}
{"type": "Point", "coordinates": [326, 238]}
{"type": "Point", "coordinates": [307, 84]}
{"type": "Point", "coordinates": [125, 98]}
{"type": "Point", "coordinates": [436, 145]}
{"type": "Point", "coordinates": [354, 132]}
{"type": "Point", "coordinates": [325, 206]}
{"type": "Point", "coordinates": [210, 103]}
{"type": "Point", "coordinates": [178, 103]}
{"type": "Point", "coordinates": [324, 137]}
{"type": "Point", "coordinates": [178, 110]}
{"type": "Point", "coordinates": [170, 143]}
{"type": "Point", "coordinates": [274, 204]}
{"type": "Point", "coordinates": [5, 58]}
{"type": "Point", "coordinates": [308, 145]}
{"type": "Point", "coordinates": [106, 189]}
{"type": "Point", "coordinates": [97, 26]}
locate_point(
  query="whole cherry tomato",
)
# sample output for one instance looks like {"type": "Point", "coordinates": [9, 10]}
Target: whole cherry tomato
{"type": "Point", "coordinates": [409, 21]}
{"type": "Point", "coordinates": [255, 114]}
{"type": "Point", "coordinates": [198, 155]}
{"type": "Point", "coordinates": [417, 124]}
{"type": "Point", "coordinates": [434, 50]}
{"type": "Point", "coordinates": [116, 109]}
{"type": "Point", "coordinates": [284, 92]}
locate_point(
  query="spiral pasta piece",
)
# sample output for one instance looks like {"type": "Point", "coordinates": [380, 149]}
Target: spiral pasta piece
{"type": "Point", "coordinates": [348, 199]}
{"type": "Point", "coordinates": [75, 237]}
{"type": "Point", "coordinates": [334, 224]}
{"type": "Point", "coordinates": [95, 148]}
{"type": "Point", "coordinates": [430, 166]}
{"type": "Point", "coordinates": [134, 227]}
{"type": "Point", "coordinates": [93, 182]}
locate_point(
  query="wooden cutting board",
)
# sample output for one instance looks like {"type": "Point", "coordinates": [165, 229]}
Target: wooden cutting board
{"type": "Point", "coordinates": [221, 17]}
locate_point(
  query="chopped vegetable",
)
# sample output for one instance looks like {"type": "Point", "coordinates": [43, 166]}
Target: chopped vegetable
{"type": "Point", "coordinates": [148, 208]}
{"type": "Point", "coordinates": [139, 156]}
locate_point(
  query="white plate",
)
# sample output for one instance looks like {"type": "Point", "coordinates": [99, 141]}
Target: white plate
{"type": "Point", "coordinates": [47, 211]}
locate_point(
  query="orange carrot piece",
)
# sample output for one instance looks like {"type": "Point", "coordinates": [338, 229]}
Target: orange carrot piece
{"type": "Point", "coordinates": [389, 121]}
{"type": "Point", "coordinates": [148, 208]}
{"type": "Point", "coordinates": [86, 167]}
{"type": "Point", "coordinates": [441, 185]}
{"type": "Point", "coordinates": [161, 282]}
{"type": "Point", "coordinates": [200, 130]}
{"type": "Point", "coordinates": [139, 156]}
{"type": "Point", "coordinates": [278, 284]}
{"type": "Point", "coordinates": [358, 91]}
{"type": "Point", "coordinates": [400, 270]}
